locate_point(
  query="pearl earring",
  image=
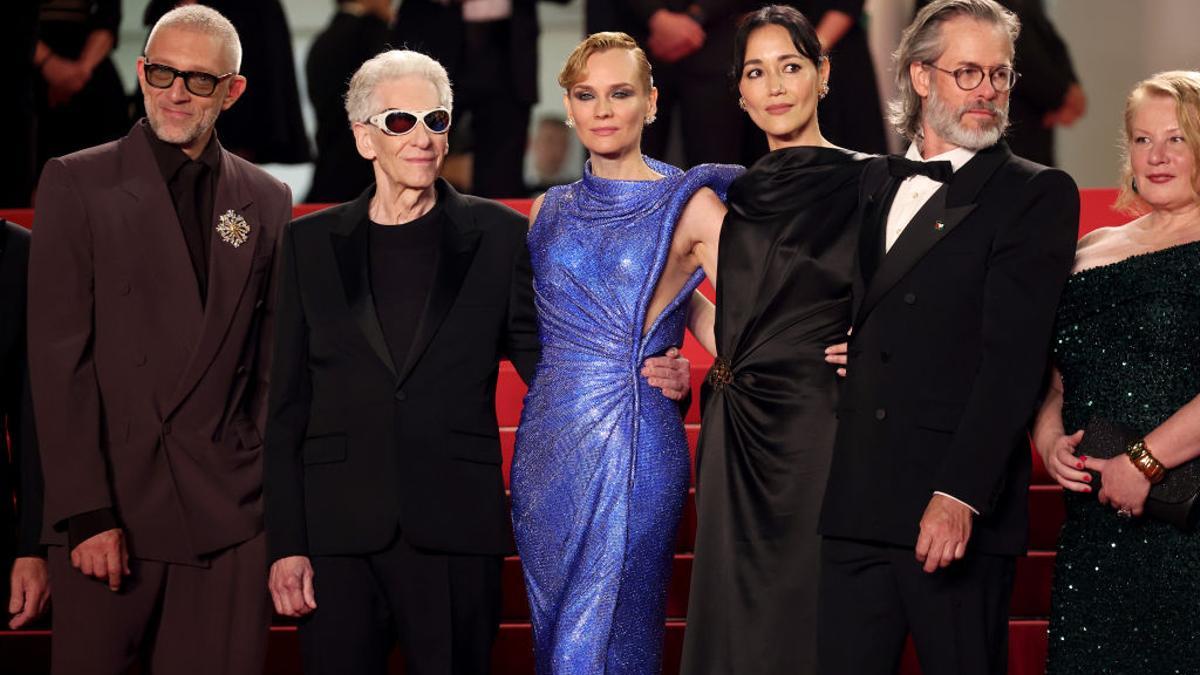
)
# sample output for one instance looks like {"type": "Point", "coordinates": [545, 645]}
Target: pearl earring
{"type": "Point", "coordinates": [570, 123]}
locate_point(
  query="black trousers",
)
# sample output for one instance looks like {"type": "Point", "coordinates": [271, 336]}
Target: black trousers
{"type": "Point", "coordinates": [873, 596]}
{"type": "Point", "coordinates": [444, 609]}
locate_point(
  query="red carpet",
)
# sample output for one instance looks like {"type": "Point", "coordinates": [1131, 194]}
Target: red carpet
{"type": "Point", "coordinates": [27, 652]}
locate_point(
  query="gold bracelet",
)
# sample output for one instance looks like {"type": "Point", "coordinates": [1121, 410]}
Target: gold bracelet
{"type": "Point", "coordinates": [1139, 454]}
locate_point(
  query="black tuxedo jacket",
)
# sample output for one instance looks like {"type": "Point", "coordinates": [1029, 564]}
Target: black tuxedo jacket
{"type": "Point", "coordinates": [20, 467]}
{"type": "Point", "coordinates": [358, 446]}
{"type": "Point", "coordinates": [951, 335]}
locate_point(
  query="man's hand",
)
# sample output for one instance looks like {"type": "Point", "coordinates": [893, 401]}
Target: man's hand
{"type": "Point", "coordinates": [291, 585]}
{"type": "Point", "coordinates": [103, 556]}
{"type": "Point", "coordinates": [30, 591]}
{"type": "Point", "coordinates": [65, 78]}
{"type": "Point", "coordinates": [945, 530]}
{"type": "Point", "coordinates": [674, 36]}
{"type": "Point", "coordinates": [671, 374]}
{"type": "Point", "coordinates": [836, 355]}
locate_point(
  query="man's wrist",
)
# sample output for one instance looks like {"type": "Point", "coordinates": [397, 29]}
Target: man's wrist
{"type": "Point", "coordinates": [84, 526]}
{"type": "Point", "coordinates": [956, 499]}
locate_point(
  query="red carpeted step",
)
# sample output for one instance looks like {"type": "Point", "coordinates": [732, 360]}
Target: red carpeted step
{"type": "Point", "coordinates": [28, 652]}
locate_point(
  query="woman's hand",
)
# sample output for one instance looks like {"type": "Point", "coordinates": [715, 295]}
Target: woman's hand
{"type": "Point", "coordinates": [1064, 467]}
{"type": "Point", "coordinates": [1122, 485]}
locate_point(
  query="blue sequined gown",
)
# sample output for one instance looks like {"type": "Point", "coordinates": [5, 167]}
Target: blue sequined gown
{"type": "Point", "coordinates": [601, 467]}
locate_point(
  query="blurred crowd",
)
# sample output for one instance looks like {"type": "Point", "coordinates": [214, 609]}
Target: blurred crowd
{"type": "Point", "coordinates": [68, 95]}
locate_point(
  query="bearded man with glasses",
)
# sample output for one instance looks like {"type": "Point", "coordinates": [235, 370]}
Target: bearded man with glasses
{"type": "Point", "coordinates": [964, 250]}
{"type": "Point", "coordinates": [149, 307]}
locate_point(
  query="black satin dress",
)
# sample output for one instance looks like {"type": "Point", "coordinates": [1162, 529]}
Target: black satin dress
{"type": "Point", "coordinates": [787, 255]}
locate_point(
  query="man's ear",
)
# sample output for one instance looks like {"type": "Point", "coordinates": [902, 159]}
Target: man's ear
{"type": "Point", "coordinates": [237, 87]}
{"type": "Point", "coordinates": [363, 141]}
{"type": "Point", "coordinates": [920, 78]}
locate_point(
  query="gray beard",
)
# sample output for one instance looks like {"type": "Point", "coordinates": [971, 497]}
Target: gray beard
{"type": "Point", "coordinates": [947, 122]}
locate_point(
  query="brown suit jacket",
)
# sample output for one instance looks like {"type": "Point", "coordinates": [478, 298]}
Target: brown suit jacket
{"type": "Point", "coordinates": [152, 403]}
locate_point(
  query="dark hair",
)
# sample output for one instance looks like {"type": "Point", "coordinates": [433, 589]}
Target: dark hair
{"type": "Point", "coordinates": [804, 36]}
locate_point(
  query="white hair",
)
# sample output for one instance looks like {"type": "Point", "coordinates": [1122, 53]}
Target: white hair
{"type": "Point", "coordinates": [203, 20]}
{"type": "Point", "coordinates": [392, 65]}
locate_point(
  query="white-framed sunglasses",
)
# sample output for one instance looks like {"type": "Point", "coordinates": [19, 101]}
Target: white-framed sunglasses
{"type": "Point", "coordinates": [397, 122]}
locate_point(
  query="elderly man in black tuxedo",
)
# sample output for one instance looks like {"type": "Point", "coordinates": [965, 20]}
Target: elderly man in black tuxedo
{"type": "Point", "coordinates": [386, 513]}
{"type": "Point", "coordinates": [964, 251]}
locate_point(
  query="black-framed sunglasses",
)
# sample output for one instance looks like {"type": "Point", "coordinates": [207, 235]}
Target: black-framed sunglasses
{"type": "Point", "coordinates": [397, 122]}
{"type": "Point", "coordinates": [969, 77]}
{"type": "Point", "coordinates": [197, 82]}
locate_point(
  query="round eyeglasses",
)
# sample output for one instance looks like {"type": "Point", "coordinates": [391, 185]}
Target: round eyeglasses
{"type": "Point", "coordinates": [197, 82]}
{"type": "Point", "coordinates": [969, 77]}
{"type": "Point", "coordinates": [397, 122]}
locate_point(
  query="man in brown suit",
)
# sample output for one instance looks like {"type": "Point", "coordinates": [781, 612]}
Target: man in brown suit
{"type": "Point", "coordinates": [149, 315]}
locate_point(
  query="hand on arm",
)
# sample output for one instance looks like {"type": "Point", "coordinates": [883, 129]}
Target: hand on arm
{"type": "Point", "coordinates": [29, 591]}
{"type": "Point", "coordinates": [1056, 448]}
{"type": "Point", "coordinates": [291, 586]}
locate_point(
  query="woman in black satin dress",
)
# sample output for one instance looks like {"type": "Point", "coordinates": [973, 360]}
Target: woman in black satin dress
{"type": "Point", "coordinates": [786, 266]}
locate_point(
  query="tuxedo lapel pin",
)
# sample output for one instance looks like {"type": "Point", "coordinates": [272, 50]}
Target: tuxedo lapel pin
{"type": "Point", "coordinates": [939, 226]}
{"type": "Point", "coordinates": [233, 228]}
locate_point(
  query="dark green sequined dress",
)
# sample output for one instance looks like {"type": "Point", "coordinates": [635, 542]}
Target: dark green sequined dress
{"type": "Point", "coordinates": [1126, 596]}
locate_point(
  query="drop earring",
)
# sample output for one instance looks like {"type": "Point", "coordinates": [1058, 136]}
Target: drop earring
{"type": "Point", "coordinates": [650, 119]}
{"type": "Point", "coordinates": [824, 91]}
{"type": "Point", "coordinates": [741, 103]}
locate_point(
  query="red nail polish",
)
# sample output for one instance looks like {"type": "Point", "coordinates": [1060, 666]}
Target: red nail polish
{"type": "Point", "coordinates": [1087, 488]}
{"type": "Point", "coordinates": [1083, 458]}
{"type": "Point", "coordinates": [1078, 465]}
{"type": "Point", "coordinates": [1088, 478]}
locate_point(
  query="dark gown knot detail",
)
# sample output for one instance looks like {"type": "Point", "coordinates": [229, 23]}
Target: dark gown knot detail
{"type": "Point", "coordinates": [720, 374]}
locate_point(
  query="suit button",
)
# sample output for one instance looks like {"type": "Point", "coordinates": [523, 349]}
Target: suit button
{"type": "Point", "coordinates": [910, 298]}
{"type": "Point", "coordinates": [880, 413]}
{"type": "Point", "coordinates": [258, 305]}
{"type": "Point", "coordinates": [400, 395]}
{"type": "Point", "coordinates": [241, 370]}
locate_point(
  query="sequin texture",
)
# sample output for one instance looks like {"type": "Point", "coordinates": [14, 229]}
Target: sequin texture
{"type": "Point", "coordinates": [601, 467]}
{"type": "Point", "coordinates": [1127, 344]}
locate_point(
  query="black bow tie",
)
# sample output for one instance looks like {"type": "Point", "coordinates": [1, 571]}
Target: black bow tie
{"type": "Point", "coordinates": [902, 168]}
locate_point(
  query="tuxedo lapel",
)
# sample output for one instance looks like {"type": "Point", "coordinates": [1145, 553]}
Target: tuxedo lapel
{"type": "Point", "coordinates": [945, 211]}
{"type": "Point", "coordinates": [456, 250]}
{"type": "Point", "coordinates": [870, 242]}
{"type": "Point", "coordinates": [350, 248]}
{"type": "Point", "coordinates": [228, 269]}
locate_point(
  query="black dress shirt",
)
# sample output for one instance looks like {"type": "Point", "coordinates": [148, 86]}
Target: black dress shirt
{"type": "Point", "coordinates": [193, 185]}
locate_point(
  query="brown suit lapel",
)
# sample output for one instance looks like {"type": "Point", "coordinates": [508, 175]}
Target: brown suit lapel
{"type": "Point", "coordinates": [155, 235]}
{"type": "Point", "coordinates": [228, 270]}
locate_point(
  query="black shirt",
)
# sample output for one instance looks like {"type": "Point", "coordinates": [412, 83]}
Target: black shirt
{"type": "Point", "coordinates": [403, 259]}
{"type": "Point", "coordinates": [193, 185]}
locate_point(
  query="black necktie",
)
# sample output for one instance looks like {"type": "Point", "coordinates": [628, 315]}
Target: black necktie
{"type": "Point", "coordinates": [902, 168]}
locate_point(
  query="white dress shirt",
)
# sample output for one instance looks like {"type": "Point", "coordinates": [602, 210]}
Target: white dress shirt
{"type": "Point", "coordinates": [912, 195]}
{"type": "Point", "coordinates": [916, 190]}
